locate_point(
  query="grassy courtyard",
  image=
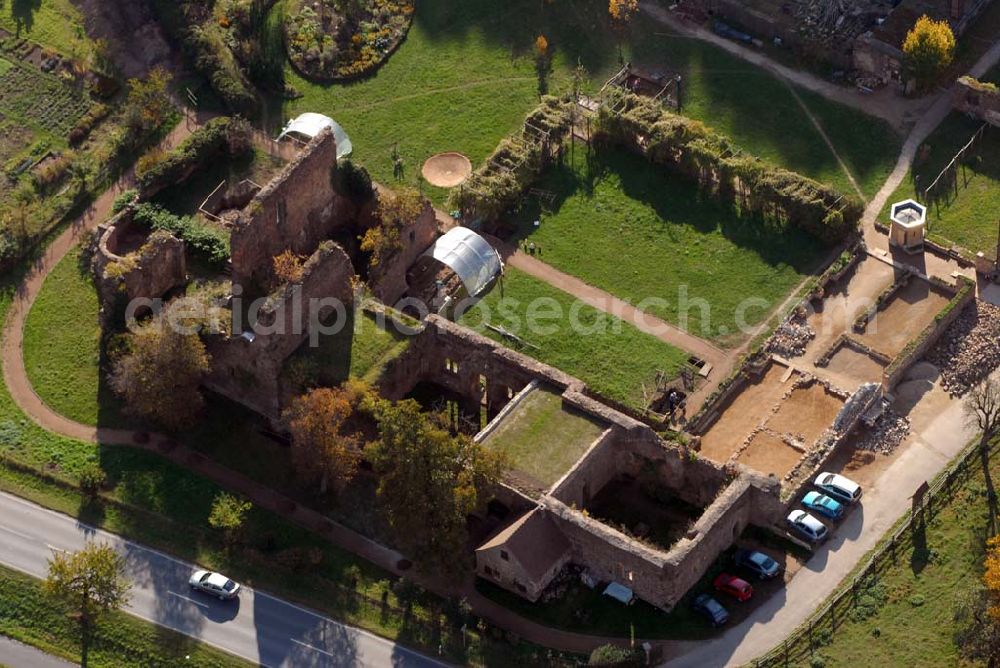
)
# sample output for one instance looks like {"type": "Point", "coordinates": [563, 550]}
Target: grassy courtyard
{"type": "Point", "coordinates": [611, 356]}
{"type": "Point", "coordinates": [967, 218]}
{"type": "Point", "coordinates": [912, 623]}
{"type": "Point", "coordinates": [542, 437]}
{"type": "Point", "coordinates": [465, 77]}
{"type": "Point", "coordinates": [639, 232]}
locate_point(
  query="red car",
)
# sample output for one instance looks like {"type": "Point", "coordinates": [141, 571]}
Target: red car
{"type": "Point", "coordinates": [736, 587]}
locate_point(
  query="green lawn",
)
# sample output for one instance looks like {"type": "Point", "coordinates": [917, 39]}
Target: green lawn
{"type": "Point", "coordinates": [968, 219]}
{"type": "Point", "coordinates": [914, 625]}
{"type": "Point", "coordinates": [5, 66]}
{"type": "Point", "coordinates": [543, 438]}
{"type": "Point", "coordinates": [62, 342]}
{"type": "Point", "coordinates": [611, 356]}
{"type": "Point", "coordinates": [640, 232]}
{"type": "Point", "coordinates": [53, 23]}
{"type": "Point", "coordinates": [26, 614]}
{"type": "Point", "coordinates": [465, 77]}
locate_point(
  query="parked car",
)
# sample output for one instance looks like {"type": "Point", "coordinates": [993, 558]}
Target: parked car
{"type": "Point", "coordinates": [824, 505]}
{"type": "Point", "coordinates": [839, 487]}
{"type": "Point", "coordinates": [811, 528]}
{"type": "Point", "coordinates": [758, 563]}
{"type": "Point", "coordinates": [710, 609]}
{"type": "Point", "coordinates": [736, 587]}
{"type": "Point", "coordinates": [215, 584]}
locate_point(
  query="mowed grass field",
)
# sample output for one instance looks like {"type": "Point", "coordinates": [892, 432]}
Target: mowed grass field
{"type": "Point", "coordinates": [611, 356]}
{"type": "Point", "coordinates": [966, 217]}
{"type": "Point", "coordinates": [465, 77]}
{"type": "Point", "coordinates": [914, 626]}
{"type": "Point", "coordinates": [640, 232]}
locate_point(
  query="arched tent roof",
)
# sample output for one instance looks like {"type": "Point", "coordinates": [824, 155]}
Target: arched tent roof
{"type": "Point", "coordinates": [310, 124]}
{"type": "Point", "coordinates": [470, 256]}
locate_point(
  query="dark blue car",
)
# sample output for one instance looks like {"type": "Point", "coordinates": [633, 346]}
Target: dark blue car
{"type": "Point", "coordinates": [758, 563]}
{"type": "Point", "coordinates": [711, 609]}
{"type": "Point", "coordinates": [824, 505]}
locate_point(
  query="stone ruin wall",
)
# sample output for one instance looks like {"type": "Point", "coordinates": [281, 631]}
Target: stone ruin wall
{"type": "Point", "coordinates": [160, 266]}
{"type": "Point", "coordinates": [978, 100]}
{"type": "Point", "coordinates": [388, 282]}
{"type": "Point", "coordinates": [248, 372]}
{"type": "Point", "coordinates": [297, 210]}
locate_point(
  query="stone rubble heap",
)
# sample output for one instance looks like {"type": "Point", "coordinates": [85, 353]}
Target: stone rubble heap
{"type": "Point", "coordinates": [790, 340]}
{"type": "Point", "coordinates": [887, 433]}
{"type": "Point", "coordinates": [969, 350]}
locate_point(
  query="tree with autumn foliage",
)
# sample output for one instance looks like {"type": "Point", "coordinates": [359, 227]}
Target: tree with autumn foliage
{"type": "Point", "coordinates": [929, 47]}
{"type": "Point", "coordinates": [622, 11]}
{"type": "Point", "coordinates": [977, 616]}
{"type": "Point", "coordinates": [324, 450]}
{"type": "Point", "coordinates": [396, 210]}
{"type": "Point", "coordinates": [429, 481]}
{"type": "Point", "coordinates": [91, 583]}
{"type": "Point", "coordinates": [160, 370]}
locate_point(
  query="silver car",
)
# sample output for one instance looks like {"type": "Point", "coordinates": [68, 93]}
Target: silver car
{"type": "Point", "coordinates": [807, 525]}
{"type": "Point", "coordinates": [215, 584]}
{"type": "Point", "coordinates": [841, 488]}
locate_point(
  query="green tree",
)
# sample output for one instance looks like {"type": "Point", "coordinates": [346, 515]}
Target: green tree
{"type": "Point", "coordinates": [929, 48]}
{"type": "Point", "coordinates": [229, 514]}
{"type": "Point", "coordinates": [429, 481]}
{"type": "Point", "coordinates": [90, 583]}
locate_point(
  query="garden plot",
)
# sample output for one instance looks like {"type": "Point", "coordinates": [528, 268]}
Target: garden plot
{"type": "Point", "coordinates": [41, 100]}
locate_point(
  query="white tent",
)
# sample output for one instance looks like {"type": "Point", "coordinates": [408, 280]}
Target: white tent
{"type": "Point", "coordinates": [470, 256]}
{"type": "Point", "coordinates": [309, 125]}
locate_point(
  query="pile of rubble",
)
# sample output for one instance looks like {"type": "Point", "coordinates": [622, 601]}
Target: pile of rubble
{"type": "Point", "coordinates": [885, 435]}
{"type": "Point", "coordinates": [970, 348]}
{"type": "Point", "coordinates": [829, 19]}
{"type": "Point", "coordinates": [790, 340]}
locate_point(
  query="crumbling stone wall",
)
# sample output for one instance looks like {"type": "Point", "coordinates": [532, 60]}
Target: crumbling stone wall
{"type": "Point", "coordinates": [388, 280]}
{"type": "Point", "coordinates": [247, 368]}
{"type": "Point", "coordinates": [152, 270]}
{"type": "Point", "coordinates": [295, 211]}
{"type": "Point", "coordinates": [977, 99]}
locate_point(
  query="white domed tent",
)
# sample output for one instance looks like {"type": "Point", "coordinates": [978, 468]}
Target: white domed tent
{"type": "Point", "coordinates": [470, 256]}
{"type": "Point", "coordinates": [308, 125]}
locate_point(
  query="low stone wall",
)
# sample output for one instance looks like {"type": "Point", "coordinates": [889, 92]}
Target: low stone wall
{"type": "Point", "coordinates": [978, 99]}
{"type": "Point", "coordinates": [916, 348]}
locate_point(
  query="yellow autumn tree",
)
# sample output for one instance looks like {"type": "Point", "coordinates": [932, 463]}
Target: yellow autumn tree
{"type": "Point", "coordinates": [929, 48]}
{"type": "Point", "coordinates": [991, 577]}
{"type": "Point", "coordinates": [623, 10]}
{"type": "Point", "coordinates": [288, 267]}
{"type": "Point", "coordinates": [541, 46]}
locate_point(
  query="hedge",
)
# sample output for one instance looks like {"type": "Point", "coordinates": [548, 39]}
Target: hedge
{"type": "Point", "coordinates": [208, 241]}
{"type": "Point", "coordinates": [219, 136]}
{"type": "Point", "coordinates": [721, 168]}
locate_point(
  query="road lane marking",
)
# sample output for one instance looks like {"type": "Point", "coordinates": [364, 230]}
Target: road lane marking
{"type": "Point", "coordinates": [315, 649]}
{"type": "Point", "coordinates": [19, 534]}
{"type": "Point", "coordinates": [56, 549]}
{"type": "Point", "coordinates": [190, 600]}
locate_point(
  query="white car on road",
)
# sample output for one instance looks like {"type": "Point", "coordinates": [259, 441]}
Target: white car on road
{"type": "Point", "coordinates": [215, 584]}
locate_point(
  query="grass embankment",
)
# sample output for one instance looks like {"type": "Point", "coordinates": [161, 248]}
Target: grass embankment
{"type": "Point", "coordinates": [637, 231]}
{"type": "Point", "coordinates": [912, 606]}
{"type": "Point", "coordinates": [542, 437]}
{"type": "Point", "coordinates": [966, 216]}
{"type": "Point", "coordinates": [120, 640]}
{"type": "Point", "coordinates": [466, 76]}
{"type": "Point", "coordinates": [613, 357]}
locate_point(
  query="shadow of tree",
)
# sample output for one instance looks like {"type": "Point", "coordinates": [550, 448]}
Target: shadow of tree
{"type": "Point", "coordinates": [23, 13]}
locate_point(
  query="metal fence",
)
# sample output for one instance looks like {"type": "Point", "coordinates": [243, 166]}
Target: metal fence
{"type": "Point", "coordinates": [822, 626]}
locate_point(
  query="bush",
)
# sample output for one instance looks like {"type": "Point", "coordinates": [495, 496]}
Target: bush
{"type": "Point", "coordinates": [219, 136]}
{"type": "Point", "coordinates": [124, 200]}
{"type": "Point", "coordinates": [210, 242]}
{"type": "Point", "coordinates": [86, 125]}
{"type": "Point", "coordinates": [613, 655]}
{"type": "Point", "coordinates": [92, 479]}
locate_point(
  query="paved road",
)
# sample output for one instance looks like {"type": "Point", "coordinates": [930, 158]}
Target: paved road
{"type": "Point", "coordinates": [257, 627]}
{"type": "Point", "coordinates": [18, 655]}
